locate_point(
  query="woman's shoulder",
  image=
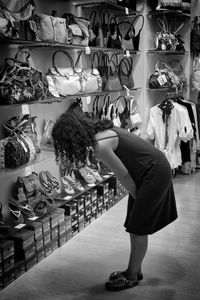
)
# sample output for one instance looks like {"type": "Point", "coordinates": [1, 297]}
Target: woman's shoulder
{"type": "Point", "coordinates": [105, 135]}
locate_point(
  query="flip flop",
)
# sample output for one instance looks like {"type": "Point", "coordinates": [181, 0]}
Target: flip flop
{"type": "Point", "coordinates": [121, 283]}
{"type": "Point", "coordinates": [116, 274]}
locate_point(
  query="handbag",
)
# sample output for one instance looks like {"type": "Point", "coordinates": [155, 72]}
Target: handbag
{"type": "Point", "coordinates": [51, 29]}
{"type": "Point", "coordinates": [178, 70]}
{"type": "Point", "coordinates": [90, 77]}
{"type": "Point", "coordinates": [195, 37]}
{"type": "Point", "coordinates": [29, 186]}
{"type": "Point", "coordinates": [161, 77]}
{"type": "Point", "coordinates": [136, 38]}
{"type": "Point", "coordinates": [114, 37]}
{"type": "Point", "coordinates": [195, 77]}
{"type": "Point", "coordinates": [101, 62]}
{"type": "Point", "coordinates": [12, 22]}
{"type": "Point", "coordinates": [63, 81]}
{"type": "Point", "coordinates": [96, 25]}
{"type": "Point", "coordinates": [127, 36]}
{"type": "Point", "coordinates": [113, 82]}
{"type": "Point", "coordinates": [125, 72]}
{"type": "Point", "coordinates": [20, 83]}
{"type": "Point", "coordinates": [122, 110]}
{"type": "Point", "coordinates": [79, 30]}
{"type": "Point", "coordinates": [25, 125]}
{"type": "Point", "coordinates": [16, 152]}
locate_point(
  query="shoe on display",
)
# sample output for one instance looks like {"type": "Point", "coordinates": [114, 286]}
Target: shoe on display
{"type": "Point", "coordinates": [70, 178]}
{"type": "Point", "coordinates": [49, 184]}
{"type": "Point", "coordinates": [15, 214]}
{"type": "Point", "coordinates": [41, 208]}
{"type": "Point", "coordinates": [87, 175]}
{"type": "Point", "coordinates": [67, 186]}
{"type": "Point", "coordinates": [25, 209]}
{"type": "Point", "coordinates": [95, 173]}
{"type": "Point", "coordinates": [54, 182]}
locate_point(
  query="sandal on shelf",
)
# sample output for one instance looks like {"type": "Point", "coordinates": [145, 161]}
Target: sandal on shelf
{"type": "Point", "coordinates": [70, 178]}
{"type": "Point", "coordinates": [95, 173]}
{"type": "Point", "coordinates": [67, 186]}
{"type": "Point", "coordinates": [41, 208]}
{"type": "Point", "coordinates": [15, 214]}
{"type": "Point", "coordinates": [87, 176]}
{"type": "Point", "coordinates": [121, 283]}
{"type": "Point", "coordinates": [116, 274]}
{"type": "Point", "coordinates": [54, 182]}
{"type": "Point", "coordinates": [26, 210]}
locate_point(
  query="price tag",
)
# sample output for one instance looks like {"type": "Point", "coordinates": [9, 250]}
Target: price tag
{"type": "Point", "coordinates": [88, 99]}
{"type": "Point", "coordinates": [19, 226]}
{"type": "Point", "coordinates": [33, 218]}
{"type": "Point", "coordinates": [91, 184]}
{"type": "Point", "coordinates": [126, 11]}
{"type": "Point", "coordinates": [127, 53]}
{"type": "Point", "coordinates": [87, 50]}
{"type": "Point", "coordinates": [25, 109]}
{"type": "Point", "coordinates": [67, 197]}
{"type": "Point", "coordinates": [28, 171]}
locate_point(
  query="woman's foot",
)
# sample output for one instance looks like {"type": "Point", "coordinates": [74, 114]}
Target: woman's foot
{"type": "Point", "coordinates": [120, 283]}
{"type": "Point", "coordinates": [116, 274]}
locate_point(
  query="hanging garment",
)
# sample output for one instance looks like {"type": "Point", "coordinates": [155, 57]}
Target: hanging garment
{"type": "Point", "coordinates": [179, 128]}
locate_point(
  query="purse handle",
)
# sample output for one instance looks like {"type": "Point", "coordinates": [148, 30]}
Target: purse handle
{"type": "Point", "coordinates": [131, 27]}
{"type": "Point", "coordinates": [125, 61]}
{"type": "Point", "coordinates": [137, 18]}
{"type": "Point", "coordinates": [67, 55]}
{"type": "Point", "coordinates": [88, 55]}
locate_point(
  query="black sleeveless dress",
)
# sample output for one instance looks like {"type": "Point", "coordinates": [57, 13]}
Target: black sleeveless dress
{"type": "Point", "coordinates": [154, 206]}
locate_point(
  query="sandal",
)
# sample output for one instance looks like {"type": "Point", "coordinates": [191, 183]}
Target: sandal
{"type": "Point", "coordinates": [116, 274]}
{"type": "Point", "coordinates": [87, 176]}
{"type": "Point", "coordinates": [95, 173]}
{"type": "Point", "coordinates": [121, 283]}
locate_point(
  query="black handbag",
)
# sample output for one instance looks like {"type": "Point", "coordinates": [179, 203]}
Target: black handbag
{"type": "Point", "coordinates": [114, 38]}
{"type": "Point", "coordinates": [16, 152]}
{"type": "Point", "coordinates": [21, 83]}
{"type": "Point", "coordinates": [24, 124]}
{"type": "Point", "coordinates": [125, 72]}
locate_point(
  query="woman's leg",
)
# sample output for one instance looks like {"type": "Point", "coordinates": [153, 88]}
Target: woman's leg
{"type": "Point", "coordinates": [139, 244]}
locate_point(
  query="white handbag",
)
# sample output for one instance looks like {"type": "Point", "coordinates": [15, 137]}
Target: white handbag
{"type": "Point", "coordinates": [64, 81]}
{"type": "Point", "coordinates": [91, 80]}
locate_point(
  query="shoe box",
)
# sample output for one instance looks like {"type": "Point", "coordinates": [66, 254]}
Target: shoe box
{"type": "Point", "coordinates": [102, 188]}
{"type": "Point", "coordinates": [62, 239]}
{"type": "Point", "coordinates": [24, 243]}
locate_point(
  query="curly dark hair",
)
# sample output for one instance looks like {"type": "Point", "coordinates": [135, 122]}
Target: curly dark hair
{"type": "Point", "coordinates": [73, 134]}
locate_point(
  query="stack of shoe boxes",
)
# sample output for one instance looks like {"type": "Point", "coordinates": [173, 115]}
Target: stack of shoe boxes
{"type": "Point", "coordinates": [71, 211]}
{"type": "Point", "coordinates": [24, 246]}
{"type": "Point", "coordinates": [38, 236]}
{"type": "Point", "coordinates": [93, 204]}
{"type": "Point", "coordinates": [87, 208]}
{"type": "Point", "coordinates": [56, 218]}
{"type": "Point", "coordinates": [7, 263]}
